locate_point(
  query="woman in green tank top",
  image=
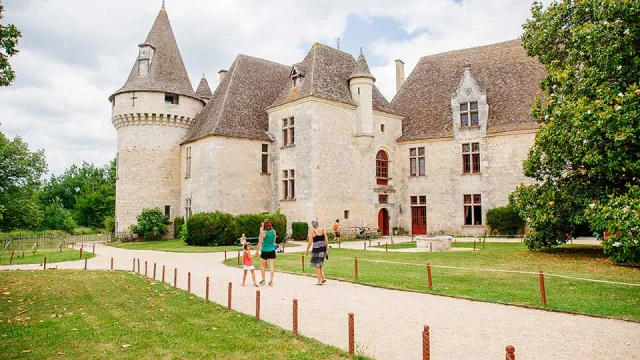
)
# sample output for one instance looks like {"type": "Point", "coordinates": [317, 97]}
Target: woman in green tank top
{"type": "Point", "coordinates": [267, 246]}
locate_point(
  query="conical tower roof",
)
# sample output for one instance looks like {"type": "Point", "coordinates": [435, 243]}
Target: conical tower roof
{"type": "Point", "coordinates": [203, 91]}
{"type": "Point", "coordinates": [167, 72]}
{"type": "Point", "coordinates": [362, 68]}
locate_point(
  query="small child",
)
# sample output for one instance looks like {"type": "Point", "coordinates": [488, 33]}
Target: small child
{"type": "Point", "coordinates": [247, 264]}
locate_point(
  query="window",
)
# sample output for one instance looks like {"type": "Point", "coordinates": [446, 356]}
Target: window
{"type": "Point", "coordinates": [288, 185]}
{"type": "Point", "coordinates": [171, 99]}
{"type": "Point", "coordinates": [381, 127]}
{"type": "Point", "coordinates": [346, 214]}
{"type": "Point", "coordinates": [382, 168]}
{"type": "Point", "coordinates": [472, 209]}
{"type": "Point", "coordinates": [167, 211]}
{"type": "Point", "coordinates": [417, 161]}
{"type": "Point", "coordinates": [297, 80]}
{"type": "Point", "coordinates": [470, 158]}
{"type": "Point", "coordinates": [187, 208]}
{"type": "Point", "coordinates": [265, 158]}
{"type": "Point", "coordinates": [414, 200]}
{"type": "Point", "coordinates": [288, 132]}
{"type": "Point", "coordinates": [383, 199]}
{"type": "Point", "coordinates": [188, 163]}
{"type": "Point", "coordinates": [469, 114]}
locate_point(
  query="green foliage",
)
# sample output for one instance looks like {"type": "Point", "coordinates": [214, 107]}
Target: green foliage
{"type": "Point", "coordinates": [505, 220]}
{"type": "Point", "coordinates": [249, 224]}
{"type": "Point", "coordinates": [109, 224]}
{"type": "Point", "coordinates": [20, 172]}
{"type": "Point", "coordinates": [152, 224]}
{"type": "Point", "coordinates": [620, 217]}
{"type": "Point", "coordinates": [299, 230]}
{"type": "Point", "coordinates": [9, 36]}
{"type": "Point", "coordinates": [588, 147]}
{"type": "Point", "coordinates": [178, 222]}
{"type": "Point", "coordinates": [83, 230]}
{"type": "Point", "coordinates": [210, 229]}
{"type": "Point", "coordinates": [56, 217]}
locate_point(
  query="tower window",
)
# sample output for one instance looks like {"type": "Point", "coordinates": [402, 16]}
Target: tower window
{"type": "Point", "coordinates": [265, 158]}
{"type": "Point", "coordinates": [346, 214]}
{"type": "Point", "coordinates": [167, 211]}
{"type": "Point", "coordinates": [417, 161]}
{"type": "Point", "coordinates": [469, 114]}
{"type": "Point", "coordinates": [171, 99]}
{"type": "Point", "coordinates": [382, 168]}
{"type": "Point", "coordinates": [470, 158]}
{"type": "Point", "coordinates": [187, 208]}
{"type": "Point", "coordinates": [188, 163]}
{"type": "Point", "coordinates": [288, 132]}
{"type": "Point", "coordinates": [381, 127]}
{"type": "Point", "coordinates": [288, 185]}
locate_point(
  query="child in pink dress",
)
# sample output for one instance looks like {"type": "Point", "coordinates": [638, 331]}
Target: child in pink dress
{"type": "Point", "coordinates": [247, 264]}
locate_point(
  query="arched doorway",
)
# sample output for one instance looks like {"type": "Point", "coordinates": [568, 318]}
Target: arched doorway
{"type": "Point", "coordinates": [383, 222]}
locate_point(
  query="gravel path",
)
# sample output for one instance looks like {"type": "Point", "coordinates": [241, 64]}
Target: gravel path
{"type": "Point", "coordinates": [389, 323]}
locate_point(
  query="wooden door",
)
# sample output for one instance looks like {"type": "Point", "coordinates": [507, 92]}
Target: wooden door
{"type": "Point", "coordinates": [383, 222]}
{"type": "Point", "coordinates": [418, 220]}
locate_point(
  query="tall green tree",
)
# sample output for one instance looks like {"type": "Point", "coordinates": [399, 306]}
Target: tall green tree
{"type": "Point", "coordinates": [20, 173]}
{"type": "Point", "coordinates": [9, 36]}
{"type": "Point", "coordinates": [587, 150]}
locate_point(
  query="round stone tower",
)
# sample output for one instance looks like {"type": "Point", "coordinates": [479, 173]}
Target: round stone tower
{"type": "Point", "coordinates": [152, 113]}
{"type": "Point", "coordinates": [361, 86]}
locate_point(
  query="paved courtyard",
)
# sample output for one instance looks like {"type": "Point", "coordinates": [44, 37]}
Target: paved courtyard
{"type": "Point", "coordinates": [389, 323]}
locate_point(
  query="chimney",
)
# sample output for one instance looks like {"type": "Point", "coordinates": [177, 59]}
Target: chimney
{"type": "Point", "coordinates": [399, 74]}
{"type": "Point", "coordinates": [222, 74]}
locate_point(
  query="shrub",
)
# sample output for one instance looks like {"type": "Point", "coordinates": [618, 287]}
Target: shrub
{"type": "Point", "coordinates": [210, 229]}
{"type": "Point", "coordinates": [152, 224]}
{"type": "Point", "coordinates": [83, 230]}
{"type": "Point", "coordinates": [299, 230]}
{"type": "Point", "coordinates": [110, 223]}
{"type": "Point", "coordinates": [505, 220]}
{"type": "Point", "coordinates": [178, 222]}
{"type": "Point", "coordinates": [56, 217]}
{"type": "Point", "coordinates": [249, 224]}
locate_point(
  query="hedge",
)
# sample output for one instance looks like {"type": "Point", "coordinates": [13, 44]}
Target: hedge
{"type": "Point", "coordinates": [505, 220]}
{"type": "Point", "coordinates": [299, 230]}
{"type": "Point", "coordinates": [249, 225]}
{"type": "Point", "coordinates": [224, 229]}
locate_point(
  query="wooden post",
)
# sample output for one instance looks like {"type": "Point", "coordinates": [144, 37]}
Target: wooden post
{"type": "Point", "coordinates": [365, 246]}
{"type": "Point", "coordinates": [111, 263]}
{"type": "Point", "coordinates": [175, 277]}
{"type": "Point", "coordinates": [134, 265]}
{"type": "Point", "coordinates": [238, 257]}
{"type": "Point", "coordinates": [44, 264]}
{"type": "Point", "coordinates": [295, 317]}
{"type": "Point", "coordinates": [189, 282]}
{"type": "Point", "coordinates": [302, 262]}
{"type": "Point", "coordinates": [229, 297]}
{"type": "Point", "coordinates": [154, 271]}
{"type": "Point", "coordinates": [145, 268]}
{"type": "Point", "coordinates": [474, 244]}
{"type": "Point", "coordinates": [138, 266]}
{"type": "Point", "coordinates": [351, 334]}
{"type": "Point", "coordinates": [369, 242]}
{"type": "Point", "coordinates": [429, 276]}
{"type": "Point", "coordinates": [94, 249]}
{"type": "Point", "coordinates": [355, 268]}
{"type": "Point", "coordinates": [206, 291]}
{"type": "Point", "coordinates": [162, 273]}
{"type": "Point", "coordinates": [225, 254]}
{"type": "Point", "coordinates": [11, 259]}
{"type": "Point", "coordinates": [85, 263]}
{"type": "Point", "coordinates": [543, 292]}
{"type": "Point", "coordinates": [426, 344]}
{"type": "Point", "coordinates": [511, 353]}
{"type": "Point", "coordinates": [339, 243]}
{"type": "Point", "coordinates": [81, 252]}
{"type": "Point", "coordinates": [257, 304]}
{"type": "Point", "coordinates": [386, 247]}
{"type": "Point", "coordinates": [283, 247]}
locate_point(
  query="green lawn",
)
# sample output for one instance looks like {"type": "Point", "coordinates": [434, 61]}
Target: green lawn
{"type": "Point", "coordinates": [119, 315]}
{"type": "Point", "coordinates": [608, 300]}
{"type": "Point", "coordinates": [38, 257]}
{"type": "Point", "coordinates": [173, 245]}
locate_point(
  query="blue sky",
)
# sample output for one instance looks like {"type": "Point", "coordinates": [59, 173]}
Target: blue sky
{"type": "Point", "coordinates": [75, 53]}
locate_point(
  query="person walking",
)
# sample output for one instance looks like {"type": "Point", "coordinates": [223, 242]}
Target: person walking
{"type": "Point", "coordinates": [247, 263]}
{"type": "Point", "coordinates": [319, 243]}
{"type": "Point", "coordinates": [336, 230]}
{"type": "Point", "coordinates": [267, 246]}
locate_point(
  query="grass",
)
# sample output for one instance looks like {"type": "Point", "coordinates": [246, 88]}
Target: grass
{"type": "Point", "coordinates": [119, 315]}
{"type": "Point", "coordinates": [38, 257]}
{"type": "Point", "coordinates": [173, 245]}
{"type": "Point", "coordinates": [598, 299]}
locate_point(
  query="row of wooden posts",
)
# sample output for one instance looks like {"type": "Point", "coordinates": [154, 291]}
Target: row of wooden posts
{"type": "Point", "coordinates": [73, 245]}
{"type": "Point", "coordinates": [426, 343]}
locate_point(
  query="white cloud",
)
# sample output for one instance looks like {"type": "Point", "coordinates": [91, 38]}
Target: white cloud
{"type": "Point", "coordinates": [75, 53]}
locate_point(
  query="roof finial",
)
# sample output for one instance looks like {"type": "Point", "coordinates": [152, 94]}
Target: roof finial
{"type": "Point", "coordinates": [338, 43]}
{"type": "Point", "coordinates": [203, 75]}
{"type": "Point", "coordinates": [360, 50]}
{"type": "Point", "coordinates": [162, 4]}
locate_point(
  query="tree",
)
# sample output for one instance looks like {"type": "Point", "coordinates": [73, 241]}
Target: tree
{"type": "Point", "coordinates": [56, 217]}
{"type": "Point", "coordinates": [20, 173]}
{"type": "Point", "coordinates": [588, 147]}
{"type": "Point", "coordinates": [152, 223]}
{"type": "Point", "coordinates": [9, 36]}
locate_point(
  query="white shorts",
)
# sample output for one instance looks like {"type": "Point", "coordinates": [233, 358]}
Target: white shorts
{"type": "Point", "coordinates": [250, 267]}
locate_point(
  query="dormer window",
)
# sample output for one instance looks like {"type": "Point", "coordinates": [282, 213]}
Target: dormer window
{"type": "Point", "coordinates": [469, 114]}
{"type": "Point", "coordinates": [145, 54]}
{"type": "Point", "coordinates": [297, 80]}
{"type": "Point", "coordinates": [171, 99]}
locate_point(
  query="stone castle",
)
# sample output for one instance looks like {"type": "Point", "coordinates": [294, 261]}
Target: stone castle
{"type": "Point", "coordinates": [318, 139]}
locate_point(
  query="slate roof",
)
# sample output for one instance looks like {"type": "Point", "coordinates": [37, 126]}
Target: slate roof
{"type": "Point", "coordinates": [362, 68]}
{"type": "Point", "coordinates": [203, 91]}
{"type": "Point", "coordinates": [237, 106]}
{"type": "Point", "coordinates": [167, 72]}
{"type": "Point", "coordinates": [327, 71]}
{"type": "Point", "coordinates": [509, 77]}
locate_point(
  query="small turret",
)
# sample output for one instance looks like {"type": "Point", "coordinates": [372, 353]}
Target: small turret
{"type": "Point", "coordinates": [361, 86]}
{"type": "Point", "coordinates": [203, 91]}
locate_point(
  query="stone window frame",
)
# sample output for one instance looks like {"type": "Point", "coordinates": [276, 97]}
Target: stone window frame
{"type": "Point", "coordinates": [187, 208]}
{"type": "Point", "coordinates": [417, 161]}
{"type": "Point", "coordinates": [382, 167]}
{"type": "Point", "coordinates": [288, 185]}
{"type": "Point", "coordinates": [471, 158]}
{"type": "Point", "coordinates": [383, 198]}
{"type": "Point", "coordinates": [171, 99]}
{"type": "Point", "coordinates": [188, 163]}
{"type": "Point", "coordinates": [288, 132]}
{"type": "Point", "coordinates": [467, 111]}
{"type": "Point", "coordinates": [472, 209]}
{"type": "Point", "coordinates": [264, 164]}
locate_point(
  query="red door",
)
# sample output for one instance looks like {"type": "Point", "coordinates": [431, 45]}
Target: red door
{"type": "Point", "coordinates": [383, 222]}
{"type": "Point", "coordinates": [418, 220]}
